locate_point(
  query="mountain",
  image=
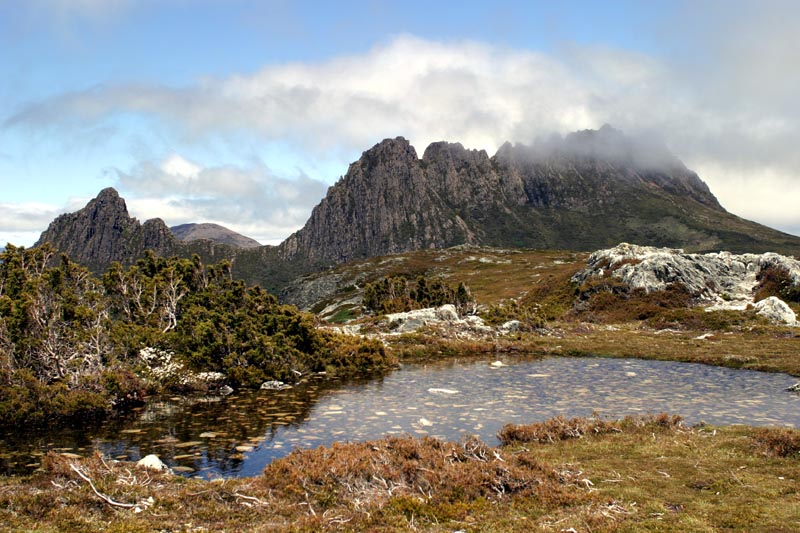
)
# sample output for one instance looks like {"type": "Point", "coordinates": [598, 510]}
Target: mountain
{"type": "Point", "coordinates": [213, 232]}
{"type": "Point", "coordinates": [589, 190]}
{"type": "Point", "coordinates": [586, 191]}
{"type": "Point", "coordinates": [104, 232]}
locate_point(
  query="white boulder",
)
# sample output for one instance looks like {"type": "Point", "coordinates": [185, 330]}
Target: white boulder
{"type": "Point", "coordinates": [152, 462]}
{"type": "Point", "coordinates": [776, 310]}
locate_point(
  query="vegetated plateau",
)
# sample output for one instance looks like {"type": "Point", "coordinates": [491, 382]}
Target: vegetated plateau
{"type": "Point", "coordinates": [179, 325]}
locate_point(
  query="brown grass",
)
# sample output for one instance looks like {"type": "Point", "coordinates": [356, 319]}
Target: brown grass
{"type": "Point", "coordinates": [560, 428]}
{"type": "Point", "coordinates": [647, 474]}
{"type": "Point", "coordinates": [638, 474]}
{"type": "Point", "coordinates": [778, 442]}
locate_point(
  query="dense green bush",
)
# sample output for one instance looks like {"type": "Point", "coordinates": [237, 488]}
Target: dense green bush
{"type": "Point", "coordinates": [397, 294]}
{"type": "Point", "coordinates": [72, 345]}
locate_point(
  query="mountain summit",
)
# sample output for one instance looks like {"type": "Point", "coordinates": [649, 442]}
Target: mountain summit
{"type": "Point", "coordinates": [589, 190]}
{"type": "Point", "coordinates": [103, 232]}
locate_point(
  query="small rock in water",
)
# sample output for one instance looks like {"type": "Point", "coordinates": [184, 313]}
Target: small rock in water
{"type": "Point", "coordinates": [442, 391]}
{"type": "Point", "coordinates": [225, 390]}
{"type": "Point", "coordinates": [208, 435]}
{"type": "Point", "coordinates": [497, 364]}
{"type": "Point", "coordinates": [794, 388]}
{"type": "Point", "coordinates": [275, 385]}
{"type": "Point", "coordinates": [425, 422]}
{"type": "Point", "coordinates": [69, 455]}
{"type": "Point", "coordinates": [244, 448]}
{"type": "Point", "coordinates": [188, 444]}
{"type": "Point", "coordinates": [152, 462]}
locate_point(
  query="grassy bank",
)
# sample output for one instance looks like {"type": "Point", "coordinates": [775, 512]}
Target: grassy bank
{"type": "Point", "coordinates": [767, 348]}
{"type": "Point", "coordinates": [591, 475]}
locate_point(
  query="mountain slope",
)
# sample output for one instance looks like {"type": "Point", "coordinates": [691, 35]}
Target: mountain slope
{"type": "Point", "coordinates": [104, 232]}
{"type": "Point", "coordinates": [213, 232]}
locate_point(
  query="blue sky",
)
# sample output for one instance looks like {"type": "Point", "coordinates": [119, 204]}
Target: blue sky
{"type": "Point", "coordinates": [244, 112]}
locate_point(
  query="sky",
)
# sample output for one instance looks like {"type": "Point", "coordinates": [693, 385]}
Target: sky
{"type": "Point", "coordinates": [244, 112]}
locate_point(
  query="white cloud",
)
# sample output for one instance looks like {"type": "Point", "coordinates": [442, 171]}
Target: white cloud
{"type": "Point", "coordinates": [731, 113]}
{"type": "Point", "coordinates": [250, 199]}
{"type": "Point", "coordinates": [21, 224]}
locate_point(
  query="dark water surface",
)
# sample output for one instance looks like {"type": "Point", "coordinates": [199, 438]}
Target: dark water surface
{"type": "Point", "coordinates": [240, 434]}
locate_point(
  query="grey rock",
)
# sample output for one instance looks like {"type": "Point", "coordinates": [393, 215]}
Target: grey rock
{"type": "Point", "coordinates": [722, 279]}
{"type": "Point", "coordinates": [152, 462]}
{"type": "Point", "coordinates": [776, 310]}
{"type": "Point", "coordinates": [275, 385]}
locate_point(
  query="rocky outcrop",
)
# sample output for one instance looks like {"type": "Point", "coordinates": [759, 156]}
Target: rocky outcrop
{"type": "Point", "coordinates": [214, 233]}
{"type": "Point", "coordinates": [445, 316]}
{"type": "Point", "coordinates": [586, 191]}
{"type": "Point", "coordinates": [103, 232]}
{"type": "Point", "coordinates": [776, 310]}
{"type": "Point", "coordinates": [721, 280]}
{"type": "Point", "coordinates": [383, 205]}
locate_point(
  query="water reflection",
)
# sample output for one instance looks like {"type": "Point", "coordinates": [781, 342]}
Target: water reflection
{"type": "Point", "coordinates": [240, 434]}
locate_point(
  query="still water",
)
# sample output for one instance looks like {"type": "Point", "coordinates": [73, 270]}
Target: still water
{"type": "Point", "coordinates": [240, 434]}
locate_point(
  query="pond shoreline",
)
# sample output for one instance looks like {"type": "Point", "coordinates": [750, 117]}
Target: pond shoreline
{"type": "Point", "coordinates": [472, 394]}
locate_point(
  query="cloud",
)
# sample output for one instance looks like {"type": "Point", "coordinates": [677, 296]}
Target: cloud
{"type": "Point", "coordinates": [427, 91]}
{"type": "Point", "coordinates": [21, 224]}
{"type": "Point", "coordinates": [249, 199]}
{"type": "Point", "coordinates": [729, 109]}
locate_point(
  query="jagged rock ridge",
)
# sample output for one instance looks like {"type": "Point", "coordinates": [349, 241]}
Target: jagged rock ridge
{"type": "Point", "coordinates": [590, 190]}
{"type": "Point", "coordinates": [103, 232]}
{"type": "Point", "coordinates": [213, 232]}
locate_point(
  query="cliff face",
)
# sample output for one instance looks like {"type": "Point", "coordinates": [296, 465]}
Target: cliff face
{"type": "Point", "coordinates": [589, 190]}
{"type": "Point", "coordinates": [384, 204]}
{"type": "Point", "coordinates": [103, 232]}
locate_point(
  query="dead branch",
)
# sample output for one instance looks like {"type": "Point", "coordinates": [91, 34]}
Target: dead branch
{"type": "Point", "coordinates": [99, 494]}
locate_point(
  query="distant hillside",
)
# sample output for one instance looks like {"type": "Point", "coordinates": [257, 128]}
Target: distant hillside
{"type": "Point", "coordinates": [213, 232]}
{"type": "Point", "coordinates": [590, 190]}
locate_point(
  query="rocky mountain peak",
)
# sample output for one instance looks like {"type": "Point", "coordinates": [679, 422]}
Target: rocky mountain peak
{"type": "Point", "coordinates": [103, 232]}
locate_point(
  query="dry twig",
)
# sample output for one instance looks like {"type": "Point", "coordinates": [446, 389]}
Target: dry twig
{"type": "Point", "coordinates": [99, 494]}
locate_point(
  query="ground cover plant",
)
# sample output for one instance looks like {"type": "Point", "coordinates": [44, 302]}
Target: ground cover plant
{"type": "Point", "coordinates": [589, 474]}
{"type": "Point", "coordinates": [637, 474]}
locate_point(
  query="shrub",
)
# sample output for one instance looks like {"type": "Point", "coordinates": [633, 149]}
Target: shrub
{"type": "Point", "coordinates": [776, 281]}
{"type": "Point", "coordinates": [778, 442]}
{"type": "Point", "coordinates": [397, 294]}
{"type": "Point", "coordinates": [559, 428]}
